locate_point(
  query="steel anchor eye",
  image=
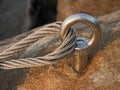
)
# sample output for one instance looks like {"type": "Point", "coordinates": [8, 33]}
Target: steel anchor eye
{"type": "Point", "coordinates": [81, 54]}
{"type": "Point", "coordinates": [86, 19]}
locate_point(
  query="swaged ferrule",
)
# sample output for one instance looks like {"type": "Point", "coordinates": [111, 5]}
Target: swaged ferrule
{"type": "Point", "coordinates": [83, 44]}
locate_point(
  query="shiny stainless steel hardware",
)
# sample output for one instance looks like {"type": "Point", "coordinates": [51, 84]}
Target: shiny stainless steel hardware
{"type": "Point", "coordinates": [83, 44]}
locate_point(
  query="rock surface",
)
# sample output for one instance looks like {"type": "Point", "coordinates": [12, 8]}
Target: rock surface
{"type": "Point", "coordinates": [103, 72]}
{"type": "Point", "coordinates": [93, 7]}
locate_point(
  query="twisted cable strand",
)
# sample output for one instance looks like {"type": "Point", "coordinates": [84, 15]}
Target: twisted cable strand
{"type": "Point", "coordinates": [18, 47]}
{"type": "Point", "coordinates": [66, 48]}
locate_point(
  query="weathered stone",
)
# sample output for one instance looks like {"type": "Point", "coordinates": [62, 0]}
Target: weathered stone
{"type": "Point", "coordinates": [93, 7]}
{"type": "Point", "coordinates": [103, 72]}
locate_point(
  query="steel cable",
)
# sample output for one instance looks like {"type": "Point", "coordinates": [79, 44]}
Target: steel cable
{"type": "Point", "coordinates": [66, 48]}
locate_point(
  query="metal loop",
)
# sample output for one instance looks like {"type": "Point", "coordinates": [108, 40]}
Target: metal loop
{"type": "Point", "coordinates": [86, 19]}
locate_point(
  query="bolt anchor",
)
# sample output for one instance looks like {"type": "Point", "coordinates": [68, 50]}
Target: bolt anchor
{"type": "Point", "coordinates": [80, 60]}
{"type": "Point", "coordinates": [83, 44]}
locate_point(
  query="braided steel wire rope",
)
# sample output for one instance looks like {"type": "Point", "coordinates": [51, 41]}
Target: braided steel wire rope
{"type": "Point", "coordinates": [65, 49]}
{"type": "Point", "coordinates": [18, 47]}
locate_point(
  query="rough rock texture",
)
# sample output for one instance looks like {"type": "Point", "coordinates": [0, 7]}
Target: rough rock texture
{"type": "Point", "coordinates": [93, 7]}
{"type": "Point", "coordinates": [103, 72]}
